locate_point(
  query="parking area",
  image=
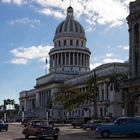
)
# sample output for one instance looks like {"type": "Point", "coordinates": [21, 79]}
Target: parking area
{"type": "Point", "coordinates": [66, 133]}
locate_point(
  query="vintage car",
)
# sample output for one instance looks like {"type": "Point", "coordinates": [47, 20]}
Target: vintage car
{"type": "Point", "coordinates": [77, 123]}
{"type": "Point", "coordinates": [121, 126]}
{"type": "Point", "coordinates": [40, 129]}
{"type": "Point", "coordinates": [92, 124]}
{"type": "Point", "coordinates": [3, 126]}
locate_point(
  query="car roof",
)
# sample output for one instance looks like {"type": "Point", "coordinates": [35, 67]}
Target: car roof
{"type": "Point", "coordinates": [128, 118]}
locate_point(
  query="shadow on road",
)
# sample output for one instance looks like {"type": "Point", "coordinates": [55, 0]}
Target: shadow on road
{"type": "Point", "coordinates": [119, 137]}
{"type": "Point", "coordinates": [24, 139]}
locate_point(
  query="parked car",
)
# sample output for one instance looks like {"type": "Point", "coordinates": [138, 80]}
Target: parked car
{"type": "Point", "coordinates": [77, 123]}
{"type": "Point", "coordinates": [40, 129]}
{"type": "Point", "coordinates": [3, 126]}
{"type": "Point", "coordinates": [121, 126]}
{"type": "Point", "coordinates": [92, 124]}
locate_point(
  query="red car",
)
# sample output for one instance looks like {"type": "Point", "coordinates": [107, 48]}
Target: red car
{"type": "Point", "coordinates": [40, 129]}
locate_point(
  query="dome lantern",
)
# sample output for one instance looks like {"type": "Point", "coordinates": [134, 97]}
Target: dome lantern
{"type": "Point", "coordinates": [70, 12]}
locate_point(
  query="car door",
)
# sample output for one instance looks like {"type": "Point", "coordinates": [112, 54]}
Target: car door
{"type": "Point", "coordinates": [120, 127]}
{"type": "Point", "coordinates": [136, 126]}
{"type": "Point", "coordinates": [32, 129]}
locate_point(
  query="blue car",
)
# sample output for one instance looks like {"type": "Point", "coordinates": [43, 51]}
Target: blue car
{"type": "Point", "coordinates": [3, 126]}
{"type": "Point", "coordinates": [121, 126]}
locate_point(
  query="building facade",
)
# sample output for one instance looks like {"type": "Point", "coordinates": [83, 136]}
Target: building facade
{"type": "Point", "coordinates": [69, 63]}
{"type": "Point", "coordinates": [131, 87]}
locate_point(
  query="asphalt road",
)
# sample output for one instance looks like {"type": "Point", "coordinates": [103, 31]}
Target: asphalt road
{"type": "Point", "coordinates": [66, 133]}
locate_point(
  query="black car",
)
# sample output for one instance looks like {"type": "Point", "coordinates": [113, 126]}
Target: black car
{"type": "Point", "coordinates": [3, 126]}
{"type": "Point", "coordinates": [77, 123]}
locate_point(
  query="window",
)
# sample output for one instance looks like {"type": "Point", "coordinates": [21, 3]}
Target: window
{"type": "Point", "coordinates": [65, 43]}
{"type": "Point", "coordinates": [71, 42]}
{"type": "Point", "coordinates": [59, 43]}
{"type": "Point", "coordinates": [77, 42]}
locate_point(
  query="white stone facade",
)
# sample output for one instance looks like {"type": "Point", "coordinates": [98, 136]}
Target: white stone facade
{"type": "Point", "coordinates": [69, 63]}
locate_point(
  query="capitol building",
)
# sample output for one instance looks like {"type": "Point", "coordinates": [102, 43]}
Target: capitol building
{"type": "Point", "coordinates": [70, 64]}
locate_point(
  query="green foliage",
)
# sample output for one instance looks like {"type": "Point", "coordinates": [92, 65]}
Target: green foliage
{"type": "Point", "coordinates": [70, 97]}
{"type": "Point", "coordinates": [116, 79]}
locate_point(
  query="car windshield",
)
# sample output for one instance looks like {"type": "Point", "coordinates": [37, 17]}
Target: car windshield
{"type": "Point", "coordinates": [38, 123]}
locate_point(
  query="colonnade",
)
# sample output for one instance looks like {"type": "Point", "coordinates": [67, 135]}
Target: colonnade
{"type": "Point", "coordinates": [69, 58]}
{"type": "Point", "coordinates": [43, 97]}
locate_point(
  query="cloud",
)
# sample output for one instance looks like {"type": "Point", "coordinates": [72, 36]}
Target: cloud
{"type": "Point", "coordinates": [24, 55]}
{"type": "Point", "coordinates": [109, 54]}
{"type": "Point", "coordinates": [18, 2]}
{"type": "Point", "coordinates": [110, 60]}
{"type": "Point", "coordinates": [26, 21]}
{"type": "Point", "coordinates": [92, 66]}
{"type": "Point", "coordinates": [104, 12]}
{"type": "Point", "coordinates": [18, 61]}
{"type": "Point", "coordinates": [52, 12]}
{"type": "Point", "coordinates": [123, 47]}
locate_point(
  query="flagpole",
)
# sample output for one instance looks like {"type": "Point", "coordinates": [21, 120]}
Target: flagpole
{"type": "Point", "coordinates": [46, 62]}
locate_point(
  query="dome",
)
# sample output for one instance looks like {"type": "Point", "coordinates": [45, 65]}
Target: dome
{"type": "Point", "coordinates": [69, 25]}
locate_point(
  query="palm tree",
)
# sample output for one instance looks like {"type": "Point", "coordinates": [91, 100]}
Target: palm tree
{"type": "Point", "coordinates": [9, 103]}
{"type": "Point", "coordinates": [16, 107]}
{"type": "Point", "coordinates": [12, 102]}
{"type": "Point", "coordinates": [5, 103]}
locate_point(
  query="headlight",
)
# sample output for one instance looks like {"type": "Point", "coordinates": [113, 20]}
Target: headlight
{"type": "Point", "coordinates": [97, 129]}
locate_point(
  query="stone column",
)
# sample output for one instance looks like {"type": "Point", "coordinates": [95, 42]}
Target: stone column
{"type": "Point", "coordinates": [69, 58]}
{"type": "Point", "coordinates": [73, 58]}
{"type": "Point", "coordinates": [77, 59]}
{"type": "Point", "coordinates": [37, 99]}
{"type": "Point", "coordinates": [65, 58]}
{"type": "Point", "coordinates": [81, 58]}
{"type": "Point", "coordinates": [55, 60]}
{"type": "Point", "coordinates": [61, 58]}
{"type": "Point", "coordinates": [86, 59]}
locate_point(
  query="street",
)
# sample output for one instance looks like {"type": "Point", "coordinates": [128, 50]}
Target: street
{"type": "Point", "coordinates": [66, 133]}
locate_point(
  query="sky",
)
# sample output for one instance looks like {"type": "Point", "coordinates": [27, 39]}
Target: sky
{"type": "Point", "coordinates": [27, 29]}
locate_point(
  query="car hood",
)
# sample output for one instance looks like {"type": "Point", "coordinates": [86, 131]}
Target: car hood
{"type": "Point", "coordinates": [105, 124]}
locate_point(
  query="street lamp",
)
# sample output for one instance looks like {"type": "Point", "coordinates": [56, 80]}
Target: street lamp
{"type": "Point", "coordinates": [22, 115]}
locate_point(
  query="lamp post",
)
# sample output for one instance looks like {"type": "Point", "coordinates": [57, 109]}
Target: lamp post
{"type": "Point", "coordinates": [5, 117]}
{"type": "Point", "coordinates": [22, 115]}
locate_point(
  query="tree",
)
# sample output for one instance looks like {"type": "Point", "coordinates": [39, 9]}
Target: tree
{"type": "Point", "coordinates": [65, 96]}
{"type": "Point", "coordinates": [12, 102]}
{"type": "Point", "coordinates": [72, 97]}
{"type": "Point", "coordinates": [16, 107]}
{"type": "Point", "coordinates": [8, 102]}
{"type": "Point", "coordinates": [116, 80]}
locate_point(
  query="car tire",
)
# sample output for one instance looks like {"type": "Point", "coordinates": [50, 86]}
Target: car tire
{"type": "Point", "coordinates": [105, 134]}
{"type": "Point", "coordinates": [26, 136]}
{"type": "Point", "coordinates": [6, 129]}
{"type": "Point", "coordinates": [55, 137]}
